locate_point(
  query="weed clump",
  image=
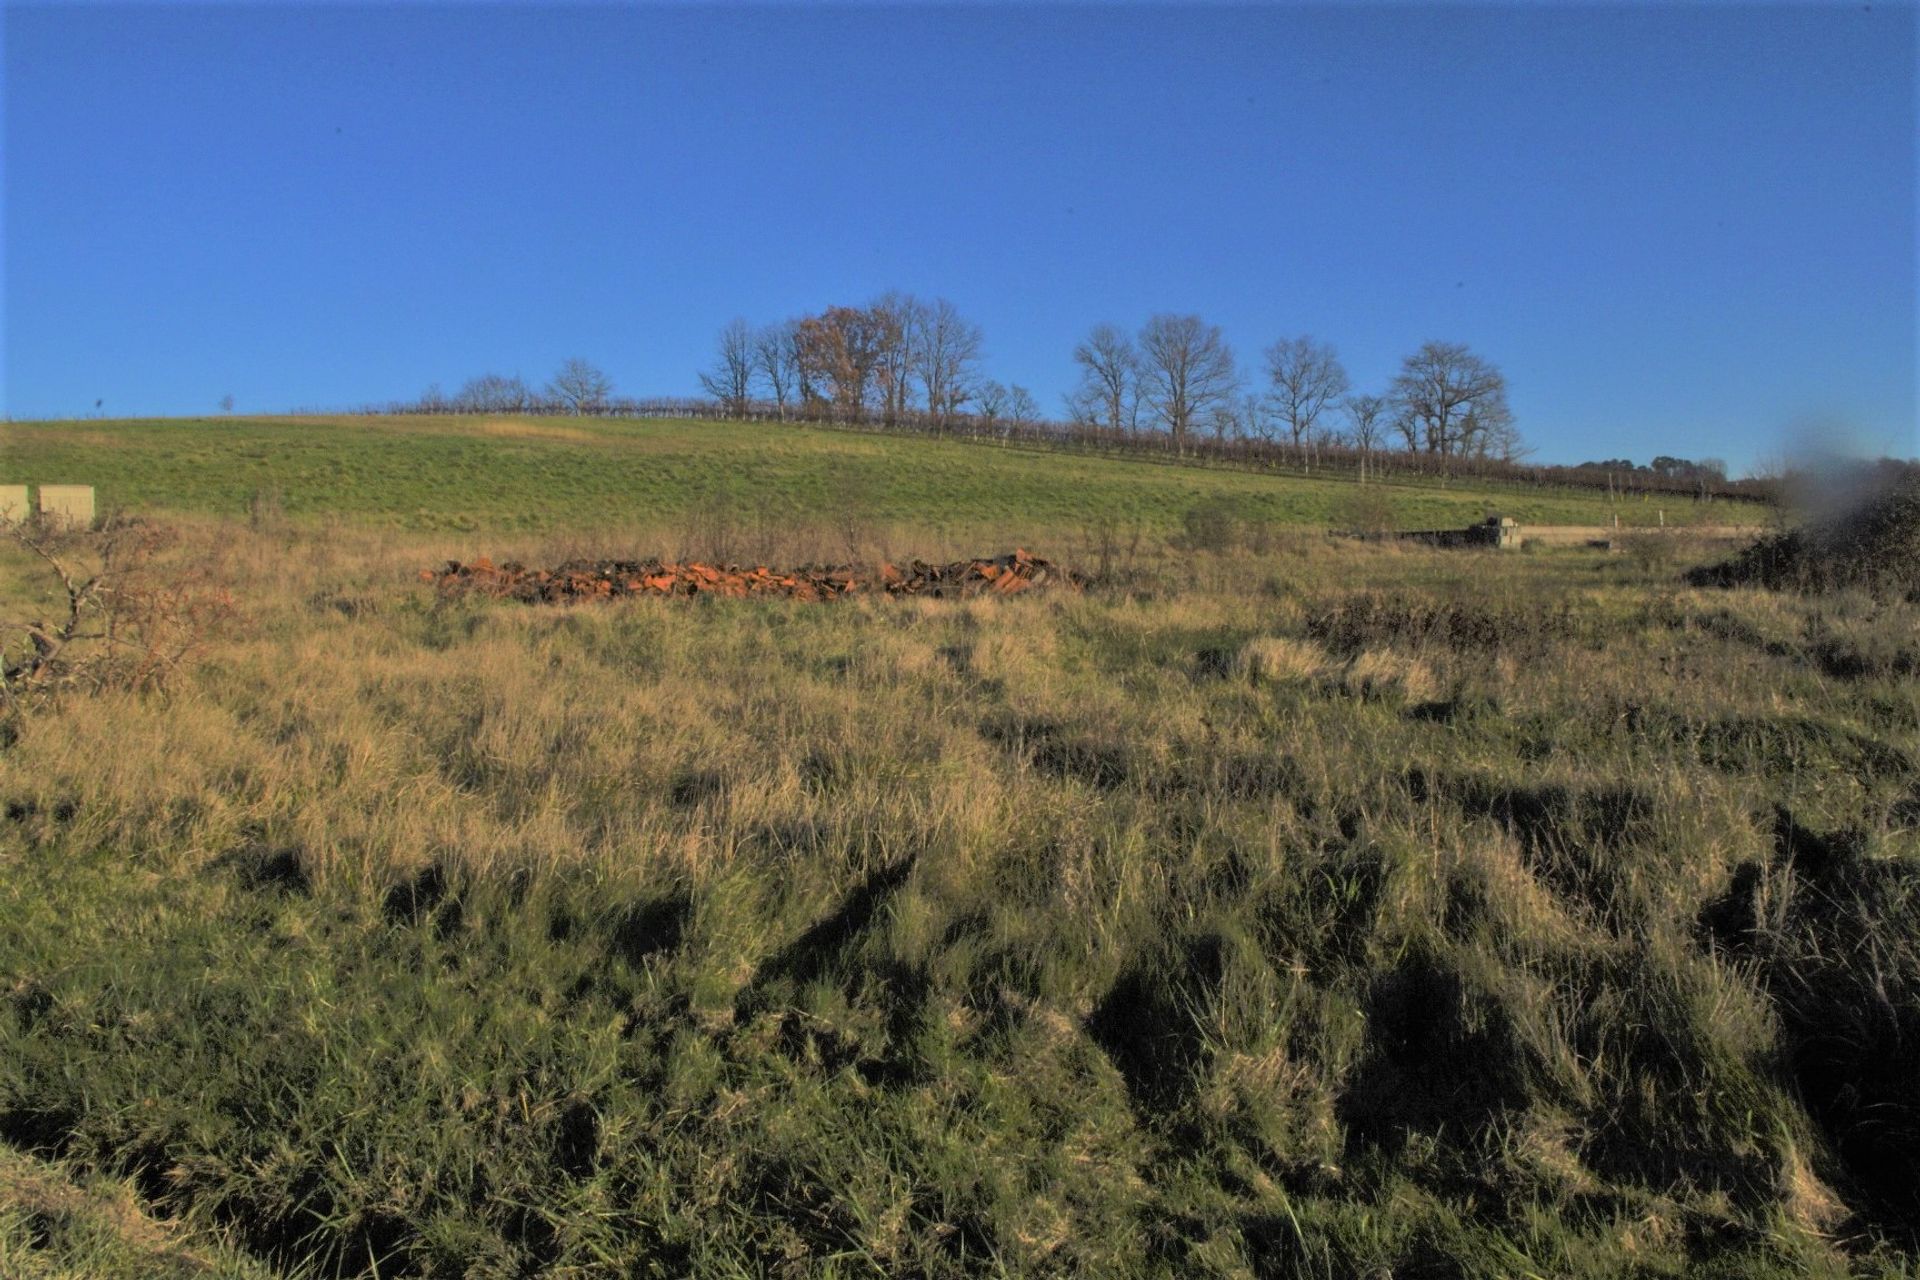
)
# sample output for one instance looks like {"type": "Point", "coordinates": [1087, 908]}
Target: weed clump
{"type": "Point", "coordinates": [1279, 660]}
{"type": "Point", "coordinates": [1382, 673]}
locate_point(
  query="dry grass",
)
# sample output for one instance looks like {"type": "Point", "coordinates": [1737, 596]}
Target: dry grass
{"type": "Point", "coordinates": [53, 1229]}
{"type": "Point", "coordinates": [1330, 910]}
{"type": "Point", "coordinates": [532, 429]}
{"type": "Point", "coordinates": [1280, 660]}
{"type": "Point", "coordinates": [1385, 673]}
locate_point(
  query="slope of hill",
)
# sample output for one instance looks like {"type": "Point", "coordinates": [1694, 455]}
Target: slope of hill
{"type": "Point", "coordinates": [547, 474]}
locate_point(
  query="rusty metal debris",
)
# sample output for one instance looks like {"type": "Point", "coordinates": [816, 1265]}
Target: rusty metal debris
{"type": "Point", "coordinates": [605, 579]}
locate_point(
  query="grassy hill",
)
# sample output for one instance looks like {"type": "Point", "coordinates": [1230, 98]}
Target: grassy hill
{"type": "Point", "coordinates": [1302, 908]}
{"type": "Point", "coordinates": [541, 474]}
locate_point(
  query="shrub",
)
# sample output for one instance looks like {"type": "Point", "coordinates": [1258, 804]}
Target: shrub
{"type": "Point", "coordinates": [1875, 545]}
{"type": "Point", "coordinates": [1213, 525]}
{"type": "Point", "coordinates": [1650, 551]}
{"type": "Point", "coordinates": [117, 618]}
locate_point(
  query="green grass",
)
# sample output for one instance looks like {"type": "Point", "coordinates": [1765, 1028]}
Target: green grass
{"type": "Point", "coordinates": [1331, 910]}
{"type": "Point", "coordinates": [56, 1227]}
{"type": "Point", "coordinates": [545, 474]}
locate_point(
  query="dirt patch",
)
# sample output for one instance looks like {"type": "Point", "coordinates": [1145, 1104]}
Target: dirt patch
{"type": "Point", "coordinates": [520, 429]}
{"type": "Point", "coordinates": [605, 579]}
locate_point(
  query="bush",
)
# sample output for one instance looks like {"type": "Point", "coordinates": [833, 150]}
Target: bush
{"type": "Point", "coordinates": [1213, 525]}
{"type": "Point", "coordinates": [1875, 546]}
{"type": "Point", "coordinates": [1650, 551]}
{"type": "Point", "coordinates": [118, 618]}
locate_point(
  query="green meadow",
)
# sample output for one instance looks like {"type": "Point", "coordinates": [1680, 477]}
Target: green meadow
{"type": "Point", "coordinates": [539, 474]}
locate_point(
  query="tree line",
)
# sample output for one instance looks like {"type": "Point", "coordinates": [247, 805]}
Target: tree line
{"type": "Point", "coordinates": [900, 357]}
{"type": "Point", "coordinates": [900, 362]}
{"type": "Point", "coordinates": [577, 387]}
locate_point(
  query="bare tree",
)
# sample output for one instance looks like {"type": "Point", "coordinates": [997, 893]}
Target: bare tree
{"type": "Point", "coordinates": [1022, 409]}
{"type": "Point", "coordinates": [1304, 377]}
{"type": "Point", "coordinates": [579, 387]}
{"type": "Point", "coordinates": [1449, 399]}
{"type": "Point", "coordinates": [1109, 388]}
{"type": "Point", "coordinates": [730, 380]}
{"type": "Point", "coordinates": [992, 398]}
{"type": "Point", "coordinates": [1366, 425]}
{"type": "Point", "coordinates": [226, 403]}
{"type": "Point", "coordinates": [1186, 370]}
{"type": "Point", "coordinates": [492, 393]}
{"type": "Point", "coordinates": [1254, 422]}
{"type": "Point", "coordinates": [773, 363]}
{"type": "Point", "coordinates": [1489, 432]}
{"type": "Point", "coordinates": [1404, 422]}
{"type": "Point", "coordinates": [1224, 420]}
{"type": "Point", "coordinates": [945, 351]}
{"type": "Point", "coordinates": [895, 315]}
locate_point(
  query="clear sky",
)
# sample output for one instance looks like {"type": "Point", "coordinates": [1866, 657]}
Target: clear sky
{"type": "Point", "coordinates": [1678, 228]}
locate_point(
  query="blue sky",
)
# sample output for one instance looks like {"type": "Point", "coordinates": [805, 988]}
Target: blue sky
{"type": "Point", "coordinates": [1679, 229]}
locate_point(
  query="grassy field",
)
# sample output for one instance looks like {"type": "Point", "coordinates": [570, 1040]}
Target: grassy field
{"type": "Point", "coordinates": [1295, 908]}
{"type": "Point", "coordinates": [468, 474]}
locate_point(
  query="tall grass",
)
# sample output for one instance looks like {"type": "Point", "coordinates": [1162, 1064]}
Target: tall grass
{"type": "Point", "coordinates": [1331, 909]}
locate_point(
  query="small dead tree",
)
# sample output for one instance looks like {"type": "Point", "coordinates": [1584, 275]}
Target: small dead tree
{"type": "Point", "coordinates": [109, 616]}
{"type": "Point", "coordinates": [1367, 421]}
{"type": "Point", "coordinates": [730, 380]}
{"type": "Point", "coordinates": [773, 364]}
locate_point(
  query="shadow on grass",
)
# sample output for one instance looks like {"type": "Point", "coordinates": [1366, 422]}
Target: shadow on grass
{"type": "Point", "coordinates": [1835, 935]}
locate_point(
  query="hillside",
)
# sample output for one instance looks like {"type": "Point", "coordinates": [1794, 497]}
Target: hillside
{"type": "Point", "coordinates": [1295, 907]}
{"type": "Point", "coordinates": [547, 474]}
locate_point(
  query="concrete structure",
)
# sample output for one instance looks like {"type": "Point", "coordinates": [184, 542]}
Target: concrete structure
{"type": "Point", "coordinates": [13, 503]}
{"type": "Point", "coordinates": [1494, 531]}
{"type": "Point", "coordinates": [69, 503]}
{"type": "Point", "coordinates": [1501, 531]}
